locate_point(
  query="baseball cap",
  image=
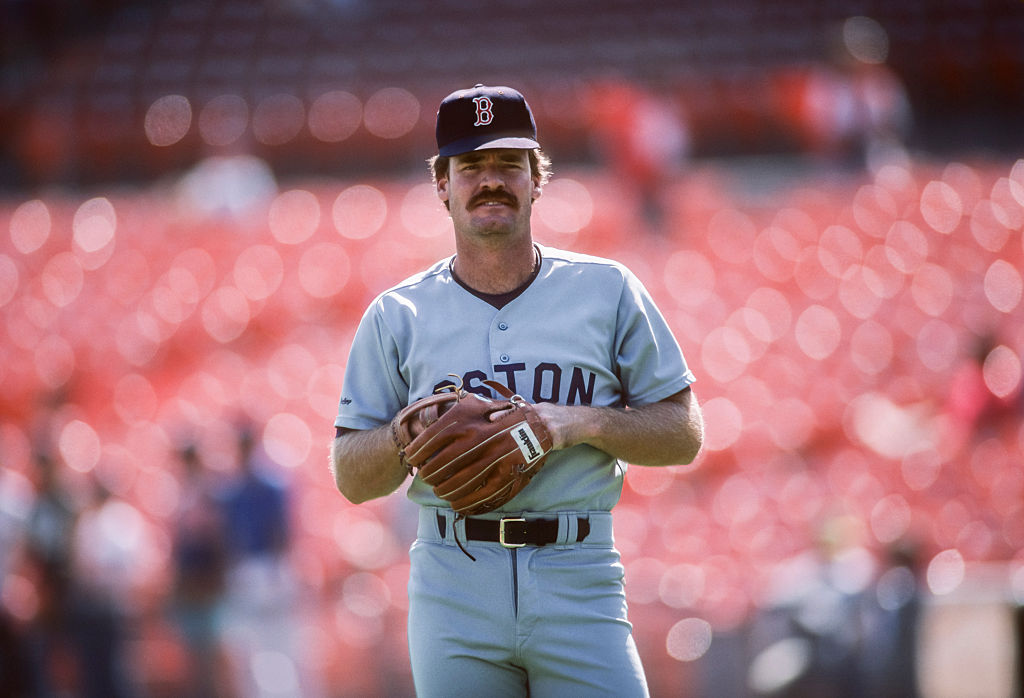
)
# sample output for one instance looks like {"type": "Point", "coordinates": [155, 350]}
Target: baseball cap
{"type": "Point", "coordinates": [484, 117]}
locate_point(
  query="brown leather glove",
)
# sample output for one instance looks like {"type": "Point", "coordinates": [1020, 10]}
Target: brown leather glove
{"type": "Point", "coordinates": [474, 463]}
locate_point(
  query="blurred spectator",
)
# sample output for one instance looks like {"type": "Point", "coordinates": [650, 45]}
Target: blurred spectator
{"type": "Point", "coordinates": [644, 138]}
{"type": "Point", "coordinates": [48, 545]}
{"type": "Point", "coordinates": [112, 542]}
{"type": "Point", "coordinates": [810, 633]}
{"type": "Point", "coordinates": [51, 526]}
{"type": "Point", "coordinates": [888, 658]}
{"type": "Point", "coordinates": [256, 508]}
{"type": "Point", "coordinates": [972, 411]}
{"type": "Point", "coordinates": [854, 109]}
{"type": "Point", "coordinates": [261, 600]}
{"type": "Point", "coordinates": [200, 564]}
{"type": "Point", "coordinates": [15, 503]}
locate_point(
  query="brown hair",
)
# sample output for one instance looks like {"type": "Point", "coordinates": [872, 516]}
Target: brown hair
{"type": "Point", "coordinates": [540, 166]}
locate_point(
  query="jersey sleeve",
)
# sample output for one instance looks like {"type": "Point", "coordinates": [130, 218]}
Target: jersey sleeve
{"type": "Point", "coordinates": [650, 361]}
{"type": "Point", "coordinates": [373, 390]}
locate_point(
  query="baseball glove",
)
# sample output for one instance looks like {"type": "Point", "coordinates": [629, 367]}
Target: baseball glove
{"type": "Point", "coordinates": [472, 461]}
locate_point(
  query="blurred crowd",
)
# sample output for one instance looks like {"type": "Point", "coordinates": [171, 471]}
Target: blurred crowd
{"type": "Point", "coordinates": [82, 581]}
{"type": "Point", "coordinates": [862, 380]}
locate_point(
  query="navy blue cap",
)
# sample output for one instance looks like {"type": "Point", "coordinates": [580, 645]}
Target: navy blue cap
{"type": "Point", "coordinates": [484, 117]}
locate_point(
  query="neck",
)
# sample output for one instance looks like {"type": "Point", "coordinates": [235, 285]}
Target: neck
{"type": "Point", "coordinates": [491, 270]}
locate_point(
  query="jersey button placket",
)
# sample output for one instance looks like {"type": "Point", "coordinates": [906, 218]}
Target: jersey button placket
{"type": "Point", "coordinates": [502, 326]}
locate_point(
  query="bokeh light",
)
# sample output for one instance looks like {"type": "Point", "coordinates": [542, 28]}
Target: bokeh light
{"type": "Point", "coordinates": [689, 277]}
{"type": "Point", "coordinates": [80, 446]}
{"type": "Point", "coordinates": [986, 227]}
{"type": "Point", "coordinates": [871, 347]}
{"type": "Point", "coordinates": [566, 207]}
{"type": "Point", "coordinates": [287, 439]}
{"type": "Point", "coordinates": [324, 270]}
{"type": "Point", "coordinates": [93, 231]}
{"type": "Point", "coordinates": [359, 211]}
{"type": "Point", "coordinates": [932, 289]}
{"type": "Point", "coordinates": [723, 423]}
{"type": "Point", "coordinates": [731, 235]}
{"type": "Point", "coordinates": [135, 399]}
{"type": "Point", "coordinates": [874, 209]}
{"type": "Point", "coordinates": [945, 572]}
{"type": "Point", "coordinates": [62, 279]}
{"type": "Point", "coordinates": [689, 639]}
{"type": "Point", "coordinates": [278, 119]}
{"type": "Point", "coordinates": [725, 354]}
{"type": "Point", "coordinates": [937, 346]}
{"type": "Point", "coordinates": [818, 332]}
{"type": "Point", "coordinates": [682, 585]}
{"type": "Point", "coordinates": [856, 293]}
{"type": "Point", "coordinates": [54, 360]}
{"type": "Point", "coordinates": [30, 226]}
{"type": "Point", "coordinates": [1003, 286]}
{"type": "Point", "coordinates": [423, 215]}
{"type": "Point", "coordinates": [891, 518]}
{"type": "Point", "coordinates": [335, 115]}
{"type": "Point", "coordinates": [391, 112]}
{"type": "Point", "coordinates": [1002, 371]}
{"type": "Point", "coordinates": [258, 271]}
{"type": "Point", "coordinates": [223, 120]}
{"type": "Point", "coordinates": [168, 120]}
{"type": "Point", "coordinates": [9, 280]}
{"type": "Point", "coordinates": [941, 206]}
{"type": "Point", "coordinates": [294, 216]}
{"type": "Point", "coordinates": [839, 250]}
{"type": "Point", "coordinates": [866, 40]}
{"type": "Point", "coordinates": [650, 482]}
{"type": "Point", "coordinates": [225, 313]}
{"type": "Point", "coordinates": [906, 247]}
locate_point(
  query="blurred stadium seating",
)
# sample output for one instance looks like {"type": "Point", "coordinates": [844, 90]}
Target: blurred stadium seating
{"type": "Point", "coordinates": [250, 177]}
{"type": "Point", "coordinates": [830, 334]}
{"type": "Point", "coordinates": [80, 87]}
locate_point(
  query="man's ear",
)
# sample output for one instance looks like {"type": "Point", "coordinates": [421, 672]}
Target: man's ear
{"type": "Point", "coordinates": [538, 189]}
{"type": "Point", "coordinates": [442, 189]}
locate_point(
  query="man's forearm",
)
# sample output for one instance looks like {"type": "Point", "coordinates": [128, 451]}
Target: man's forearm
{"type": "Point", "coordinates": [366, 464]}
{"type": "Point", "coordinates": [669, 432]}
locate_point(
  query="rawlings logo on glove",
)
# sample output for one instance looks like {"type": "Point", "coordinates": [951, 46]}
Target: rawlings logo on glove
{"type": "Point", "coordinates": [475, 452]}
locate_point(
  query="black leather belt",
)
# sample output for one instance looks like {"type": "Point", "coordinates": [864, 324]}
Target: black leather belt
{"type": "Point", "coordinates": [515, 532]}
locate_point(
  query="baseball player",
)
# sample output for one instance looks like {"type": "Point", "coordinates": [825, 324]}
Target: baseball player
{"type": "Point", "coordinates": [525, 599]}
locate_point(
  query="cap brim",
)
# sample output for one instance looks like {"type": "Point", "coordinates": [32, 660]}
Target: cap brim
{"type": "Point", "coordinates": [489, 143]}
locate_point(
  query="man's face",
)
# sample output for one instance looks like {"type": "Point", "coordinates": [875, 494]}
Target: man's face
{"type": "Point", "coordinates": [489, 192]}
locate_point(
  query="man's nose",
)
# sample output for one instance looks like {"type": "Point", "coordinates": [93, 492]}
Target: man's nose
{"type": "Point", "coordinates": [490, 176]}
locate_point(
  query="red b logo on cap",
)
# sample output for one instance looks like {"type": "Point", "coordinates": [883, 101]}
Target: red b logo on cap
{"type": "Point", "coordinates": [484, 111]}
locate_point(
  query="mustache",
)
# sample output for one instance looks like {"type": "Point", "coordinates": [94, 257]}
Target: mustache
{"type": "Point", "coordinates": [498, 196]}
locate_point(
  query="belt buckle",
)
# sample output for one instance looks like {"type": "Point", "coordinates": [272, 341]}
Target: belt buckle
{"type": "Point", "coordinates": [501, 533]}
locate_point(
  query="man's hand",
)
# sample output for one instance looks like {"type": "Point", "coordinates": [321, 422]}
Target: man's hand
{"type": "Point", "coordinates": [669, 432]}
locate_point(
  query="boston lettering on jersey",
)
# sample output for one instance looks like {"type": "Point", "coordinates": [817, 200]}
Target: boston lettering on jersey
{"type": "Point", "coordinates": [547, 383]}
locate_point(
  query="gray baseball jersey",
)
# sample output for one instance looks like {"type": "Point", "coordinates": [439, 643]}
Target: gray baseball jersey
{"type": "Point", "coordinates": [585, 332]}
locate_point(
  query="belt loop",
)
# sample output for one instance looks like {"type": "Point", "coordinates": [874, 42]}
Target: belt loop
{"type": "Point", "coordinates": [445, 525]}
{"type": "Point", "coordinates": [568, 528]}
